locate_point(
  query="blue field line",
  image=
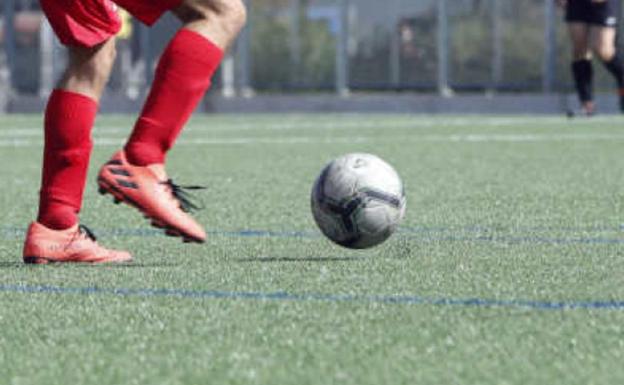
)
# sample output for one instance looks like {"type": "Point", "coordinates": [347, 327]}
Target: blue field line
{"type": "Point", "coordinates": [265, 234]}
{"type": "Point", "coordinates": [425, 234]}
{"type": "Point", "coordinates": [311, 297]}
{"type": "Point", "coordinates": [527, 240]}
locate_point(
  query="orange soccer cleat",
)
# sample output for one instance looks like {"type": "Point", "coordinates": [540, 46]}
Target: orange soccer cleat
{"type": "Point", "coordinates": [151, 192]}
{"type": "Point", "coordinates": [76, 244]}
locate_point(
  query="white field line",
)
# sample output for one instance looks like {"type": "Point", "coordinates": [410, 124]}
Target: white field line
{"type": "Point", "coordinates": [382, 124]}
{"type": "Point", "coordinates": [341, 123]}
{"type": "Point", "coordinates": [453, 138]}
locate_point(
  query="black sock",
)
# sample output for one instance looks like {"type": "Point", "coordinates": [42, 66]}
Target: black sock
{"type": "Point", "coordinates": [583, 79]}
{"type": "Point", "coordinates": [616, 67]}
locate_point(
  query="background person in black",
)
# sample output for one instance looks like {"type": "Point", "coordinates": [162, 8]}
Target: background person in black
{"type": "Point", "coordinates": [592, 26]}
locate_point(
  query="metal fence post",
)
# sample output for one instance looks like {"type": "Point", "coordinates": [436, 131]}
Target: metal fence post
{"type": "Point", "coordinates": [9, 35]}
{"type": "Point", "coordinates": [550, 48]}
{"type": "Point", "coordinates": [443, 49]}
{"type": "Point", "coordinates": [295, 40]}
{"type": "Point", "coordinates": [228, 76]}
{"type": "Point", "coordinates": [497, 44]}
{"type": "Point", "coordinates": [243, 56]}
{"type": "Point", "coordinates": [395, 45]}
{"type": "Point", "coordinates": [342, 54]}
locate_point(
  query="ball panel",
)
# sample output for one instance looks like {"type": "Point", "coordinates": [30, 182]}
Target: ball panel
{"type": "Point", "coordinates": [373, 219]}
{"type": "Point", "coordinates": [331, 225]}
{"type": "Point", "coordinates": [375, 173]}
{"type": "Point", "coordinates": [339, 182]}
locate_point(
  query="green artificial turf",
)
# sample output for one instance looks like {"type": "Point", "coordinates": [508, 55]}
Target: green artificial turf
{"type": "Point", "coordinates": [508, 268]}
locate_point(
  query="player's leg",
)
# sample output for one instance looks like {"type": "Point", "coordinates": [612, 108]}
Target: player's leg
{"type": "Point", "coordinates": [182, 77]}
{"type": "Point", "coordinates": [69, 118]}
{"type": "Point", "coordinates": [582, 69]}
{"type": "Point", "coordinates": [603, 42]}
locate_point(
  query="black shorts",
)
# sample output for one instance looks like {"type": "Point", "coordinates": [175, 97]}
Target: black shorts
{"type": "Point", "coordinates": [587, 12]}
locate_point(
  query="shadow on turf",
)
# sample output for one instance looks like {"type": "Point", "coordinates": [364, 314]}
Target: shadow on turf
{"type": "Point", "coordinates": [11, 264]}
{"type": "Point", "coordinates": [135, 265]}
{"type": "Point", "coordinates": [304, 259]}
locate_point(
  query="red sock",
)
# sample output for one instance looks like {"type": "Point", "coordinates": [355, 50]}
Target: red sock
{"type": "Point", "coordinates": [68, 121]}
{"type": "Point", "coordinates": [181, 80]}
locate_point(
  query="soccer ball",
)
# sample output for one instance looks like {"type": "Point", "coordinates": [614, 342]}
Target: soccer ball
{"type": "Point", "coordinates": [358, 201]}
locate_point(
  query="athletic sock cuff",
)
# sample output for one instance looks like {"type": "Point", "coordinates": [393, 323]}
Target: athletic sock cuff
{"type": "Point", "coordinates": [582, 64]}
{"type": "Point", "coordinates": [196, 48]}
{"type": "Point", "coordinates": [73, 97]}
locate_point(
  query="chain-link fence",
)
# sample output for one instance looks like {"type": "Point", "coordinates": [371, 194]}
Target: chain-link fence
{"type": "Point", "coordinates": [331, 45]}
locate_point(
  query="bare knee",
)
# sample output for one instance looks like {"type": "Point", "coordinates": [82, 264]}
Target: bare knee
{"type": "Point", "coordinates": [228, 17]}
{"type": "Point", "coordinates": [97, 64]}
{"type": "Point", "coordinates": [604, 52]}
{"type": "Point", "coordinates": [581, 51]}
{"type": "Point", "coordinates": [584, 54]}
{"type": "Point", "coordinates": [89, 69]}
{"type": "Point", "coordinates": [233, 15]}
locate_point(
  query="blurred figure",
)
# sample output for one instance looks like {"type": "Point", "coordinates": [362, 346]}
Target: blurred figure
{"type": "Point", "coordinates": [4, 83]}
{"type": "Point", "coordinates": [592, 27]}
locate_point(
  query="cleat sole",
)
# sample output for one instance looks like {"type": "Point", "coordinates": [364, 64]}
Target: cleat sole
{"type": "Point", "coordinates": [45, 261]}
{"type": "Point", "coordinates": [36, 261]}
{"type": "Point", "coordinates": [172, 233]}
{"type": "Point", "coordinates": [157, 225]}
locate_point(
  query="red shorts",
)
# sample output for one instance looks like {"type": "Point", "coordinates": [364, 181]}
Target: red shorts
{"type": "Point", "coordinates": [87, 23]}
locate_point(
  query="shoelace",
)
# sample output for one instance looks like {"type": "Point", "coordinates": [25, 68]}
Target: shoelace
{"type": "Point", "coordinates": [82, 229]}
{"type": "Point", "coordinates": [188, 203]}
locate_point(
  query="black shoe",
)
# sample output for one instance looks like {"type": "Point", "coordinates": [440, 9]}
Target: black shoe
{"type": "Point", "coordinates": [587, 110]}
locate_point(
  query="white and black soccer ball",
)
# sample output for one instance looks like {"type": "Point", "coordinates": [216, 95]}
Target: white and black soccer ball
{"type": "Point", "coordinates": [358, 201]}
